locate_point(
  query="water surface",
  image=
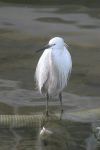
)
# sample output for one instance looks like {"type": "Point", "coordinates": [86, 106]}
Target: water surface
{"type": "Point", "coordinates": [24, 30]}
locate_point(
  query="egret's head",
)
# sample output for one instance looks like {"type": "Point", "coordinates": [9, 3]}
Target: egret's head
{"type": "Point", "coordinates": [54, 43]}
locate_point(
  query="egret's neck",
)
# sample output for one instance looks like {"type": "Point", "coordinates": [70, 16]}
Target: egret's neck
{"type": "Point", "coordinates": [57, 51]}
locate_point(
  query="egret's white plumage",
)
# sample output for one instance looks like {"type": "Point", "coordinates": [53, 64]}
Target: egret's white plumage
{"type": "Point", "coordinates": [54, 68]}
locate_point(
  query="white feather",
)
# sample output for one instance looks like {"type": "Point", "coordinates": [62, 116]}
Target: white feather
{"type": "Point", "coordinates": [54, 68]}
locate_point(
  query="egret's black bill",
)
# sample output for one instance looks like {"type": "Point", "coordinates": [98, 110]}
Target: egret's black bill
{"type": "Point", "coordinates": [45, 47]}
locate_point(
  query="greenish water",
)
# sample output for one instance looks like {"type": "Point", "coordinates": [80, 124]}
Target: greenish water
{"type": "Point", "coordinates": [24, 30]}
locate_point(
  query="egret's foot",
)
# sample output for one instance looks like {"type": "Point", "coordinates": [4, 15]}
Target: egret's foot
{"type": "Point", "coordinates": [61, 114]}
{"type": "Point", "coordinates": [62, 110]}
{"type": "Point", "coordinates": [47, 113]}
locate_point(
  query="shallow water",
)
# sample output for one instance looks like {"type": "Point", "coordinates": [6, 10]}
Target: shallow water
{"type": "Point", "coordinates": [23, 30]}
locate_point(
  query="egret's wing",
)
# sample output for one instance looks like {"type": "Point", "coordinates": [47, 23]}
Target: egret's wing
{"type": "Point", "coordinates": [42, 70]}
{"type": "Point", "coordinates": [69, 73]}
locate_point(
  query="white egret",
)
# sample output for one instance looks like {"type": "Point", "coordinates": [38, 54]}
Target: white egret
{"type": "Point", "coordinates": [53, 69]}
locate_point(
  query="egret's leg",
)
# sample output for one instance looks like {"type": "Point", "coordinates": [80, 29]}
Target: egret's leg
{"type": "Point", "coordinates": [60, 97]}
{"type": "Point", "coordinates": [47, 105]}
